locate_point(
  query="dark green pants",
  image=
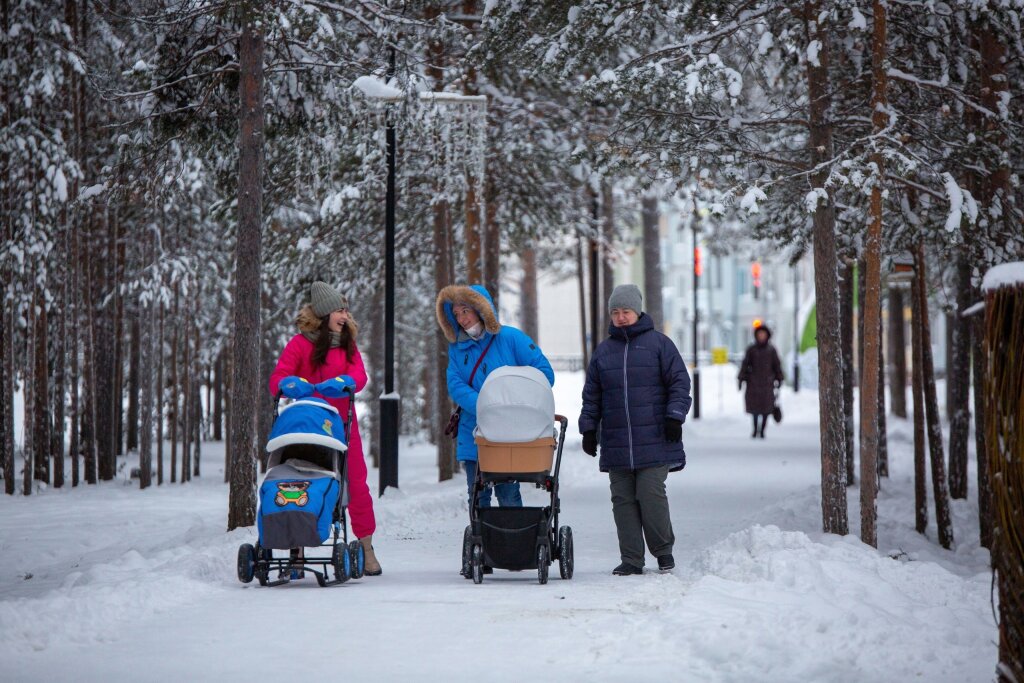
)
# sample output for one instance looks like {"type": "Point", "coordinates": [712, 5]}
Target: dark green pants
{"type": "Point", "coordinates": [640, 508]}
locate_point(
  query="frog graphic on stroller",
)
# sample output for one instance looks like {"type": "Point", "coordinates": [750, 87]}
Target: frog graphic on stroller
{"type": "Point", "coordinates": [304, 494]}
{"type": "Point", "coordinates": [515, 442]}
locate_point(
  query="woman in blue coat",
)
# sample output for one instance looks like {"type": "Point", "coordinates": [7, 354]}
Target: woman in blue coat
{"type": "Point", "coordinates": [468, 320]}
{"type": "Point", "coordinates": [636, 396]}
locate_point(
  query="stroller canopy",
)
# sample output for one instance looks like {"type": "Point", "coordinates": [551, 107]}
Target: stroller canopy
{"type": "Point", "coordinates": [308, 421]}
{"type": "Point", "coordinates": [515, 405]}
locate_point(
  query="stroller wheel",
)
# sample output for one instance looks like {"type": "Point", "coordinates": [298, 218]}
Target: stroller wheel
{"type": "Point", "coordinates": [467, 549]}
{"type": "Point", "coordinates": [357, 559]}
{"type": "Point", "coordinates": [246, 562]}
{"type": "Point", "coordinates": [341, 561]}
{"type": "Point", "coordinates": [477, 563]}
{"type": "Point", "coordinates": [565, 561]}
{"type": "Point", "coordinates": [543, 560]}
{"type": "Point", "coordinates": [262, 568]}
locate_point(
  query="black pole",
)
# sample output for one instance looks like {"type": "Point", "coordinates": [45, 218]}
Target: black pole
{"type": "Point", "coordinates": [796, 328]}
{"type": "Point", "coordinates": [595, 283]}
{"type": "Point", "coordinates": [389, 400]}
{"type": "Point", "coordinates": [696, 314]}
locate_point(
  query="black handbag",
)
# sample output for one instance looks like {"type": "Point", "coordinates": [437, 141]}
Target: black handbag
{"type": "Point", "coordinates": [452, 428]}
{"type": "Point", "coordinates": [776, 410]}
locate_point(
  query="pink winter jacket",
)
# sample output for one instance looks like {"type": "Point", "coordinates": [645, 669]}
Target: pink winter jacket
{"type": "Point", "coordinates": [297, 359]}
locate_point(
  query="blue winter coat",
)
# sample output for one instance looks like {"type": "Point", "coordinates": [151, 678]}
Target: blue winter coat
{"type": "Point", "coordinates": [634, 381]}
{"type": "Point", "coordinates": [510, 347]}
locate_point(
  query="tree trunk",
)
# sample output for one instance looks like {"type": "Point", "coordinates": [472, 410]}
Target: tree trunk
{"type": "Point", "coordinates": [86, 323]}
{"type": "Point", "coordinates": [172, 405]}
{"type": "Point", "coordinates": [218, 396]}
{"type": "Point", "coordinates": [185, 403]}
{"type": "Point", "coordinates": [58, 389]}
{"type": "Point", "coordinates": [958, 376]}
{"type": "Point", "coordinates": [830, 381]}
{"type": "Point", "coordinates": [268, 360]}
{"type": "Point", "coordinates": [607, 257]}
{"type": "Point", "coordinates": [917, 395]}
{"type": "Point", "coordinates": [883, 438]}
{"type": "Point", "coordinates": [652, 260]}
{"type": "Point", "coordinates": [158, 396]}
{"type": "Point", "coordinates": [245, 382]}
{"type": "Point", "coordinates": [492, 243]}
{"type": "Point", "coordinates": [871, 318]}
{"type": "Point", "coordinates": [897, 354]}
{"type": "Point", "coordinates": [446, 464]}
{"type": "Point", "coordinates": [229, 374]}
{"type": "Point", "coordinates": [41, 392]}
{"type": "Point", "coordinates": [144, 353]}
{"type": "Point", "coordinates": [117, 380]}
{"type": "Point", "coordinates": [580, 279]}
{"type": "Point", "coordinates": [980, 362]}
{"type": "Point", "coordinates": [134, 353]}
{"type": "Point", "coordinates": [7, 350]}
{"type": "Point", "coordinates": [846, 288]}
{"type": "Point", "coordinates": [104, 352]}
{"type": "Point", "coordinates": [528, 302]}
{"type": "Point", "coordinates": [939, 483]}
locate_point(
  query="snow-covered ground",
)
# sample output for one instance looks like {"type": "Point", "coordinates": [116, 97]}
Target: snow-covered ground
{"type": "Point", "coordinates": [110, 583]}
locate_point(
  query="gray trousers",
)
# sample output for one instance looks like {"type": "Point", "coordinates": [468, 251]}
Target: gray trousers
{"type": "Point", "coordinates": [640, 508]}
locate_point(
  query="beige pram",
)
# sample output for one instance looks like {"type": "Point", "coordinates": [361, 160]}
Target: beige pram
{"type": "Point", "coordinates": [515, 440]}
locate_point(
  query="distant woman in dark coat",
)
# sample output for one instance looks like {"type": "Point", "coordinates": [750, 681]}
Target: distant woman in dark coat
{"type": "Point", "coordinates": [762, 372]}
{"type": "Point", "coordinates": [637, 393]}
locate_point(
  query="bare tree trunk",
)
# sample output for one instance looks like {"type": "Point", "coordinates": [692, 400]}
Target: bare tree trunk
{"type": "Point", "coordinates": [158, 396]}
{"type": "Point", "coordinates": [492, 243]}
{"type": "Point", "coordinates": [830, 381]}
{"type": "Point", "coordinates": [172, 405]}
{"type": "Point", "coordinates": [883, 438]}
{"type": "Point", "coordinates": [528, 302]}
{"type": "Point", "coordinates": [185, 403]}
{"type": "Point", "coordinates": [117, 380]}
{"type": "Point", "coordinates": [105, 351]}
{"type": "Point", "coordinates": [7, 384]}
{"type": "Point", "coordinates": [446, 464]}
{"type": "Point", "coordinates": [980, 361]}
{"type": "Point", "coordinates": [40, 404]}
{"type": "Point", "coordinates": [218, 395]}
{"type": "Point", "coordinates": [917, 394]}
{"type": "Point", "coordinates": [245, 383]}
{"type": "Point", "coordinates": [58, 390]}
{"type": "Point", "coordinates": [229, 374]}
{"type": "Point", "coordinates": [87, 422]}
{"type": "Point", "coordinates": [958, 377]}
{"type": "Point", "coordinates": [143, 352]}
{"type": "Point", "coordinates": [652, 260]}
{"type": "Point", "coordinates": [585, 347]}
{"type": "Point", "coordinates": [872, 302]}
{"type": "Point", "coordinates": [607, 258]}
{"type": "Point", "coordinates": [134, 354]}
{"type": "Point", "coordinates": [846, 288]}
{"type": "Point", "coordinates": [897, 354]}
{"type": "Point", "coordinates": [943, 518]}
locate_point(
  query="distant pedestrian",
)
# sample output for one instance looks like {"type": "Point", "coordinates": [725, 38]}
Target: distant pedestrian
{"type": "Point", "coordinates": [761, 370]}
{"type": "Point", "coordinates": [635, 400]}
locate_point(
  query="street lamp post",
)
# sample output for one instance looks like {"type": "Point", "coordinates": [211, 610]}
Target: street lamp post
{"type": "Point", "coordinates": [696, 312]}
{"type": "Point", "coordinates": [796, 328]}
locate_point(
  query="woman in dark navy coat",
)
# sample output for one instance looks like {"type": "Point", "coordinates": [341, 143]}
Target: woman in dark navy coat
{"type": "Point", "coordinates": [635, 400]}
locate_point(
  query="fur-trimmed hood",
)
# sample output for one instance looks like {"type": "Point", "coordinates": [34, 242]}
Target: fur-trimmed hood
{"type": "Point", "coordinates": [309, 323]}
{"type": "Point", "coordinates": [474, 296]}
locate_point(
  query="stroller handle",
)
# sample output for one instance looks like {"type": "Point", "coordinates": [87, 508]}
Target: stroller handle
{"type": "Point", "coordinates": [564, 422]}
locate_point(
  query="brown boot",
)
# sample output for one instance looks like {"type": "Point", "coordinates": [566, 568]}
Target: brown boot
{"type": "Point", "coordinates": [371, 567]}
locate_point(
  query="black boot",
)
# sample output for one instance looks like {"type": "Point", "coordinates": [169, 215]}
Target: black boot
{"type": "Point", "coordinates": [627, 569]}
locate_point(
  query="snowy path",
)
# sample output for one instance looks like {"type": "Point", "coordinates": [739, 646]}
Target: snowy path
{"type": "Point", "coordinates": [141, 586]}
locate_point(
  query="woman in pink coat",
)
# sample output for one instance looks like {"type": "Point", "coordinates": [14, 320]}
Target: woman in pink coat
{"type": "Point", "coordinates": [326, 347]}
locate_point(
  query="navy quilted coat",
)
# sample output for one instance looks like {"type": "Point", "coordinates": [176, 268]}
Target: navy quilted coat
{"type": "Point", "coordinates": [634, 381]}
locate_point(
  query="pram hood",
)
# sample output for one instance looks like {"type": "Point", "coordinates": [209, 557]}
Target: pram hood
{"type": "Point", "coordinates": [515, 405]}
{"type": "Point", "coordinates": [308, 421]}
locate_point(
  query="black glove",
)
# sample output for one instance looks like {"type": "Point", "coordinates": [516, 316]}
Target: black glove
{"type": "Point", "coordinates": [590, 442]}
{"type": "Point", "coordinates": [740, 384]}
{"type": "Point", "coordinates": [673, 430]}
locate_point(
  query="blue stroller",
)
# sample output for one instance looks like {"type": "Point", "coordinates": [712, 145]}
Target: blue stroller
{"type": "Point", "coordinates": [304, 494]}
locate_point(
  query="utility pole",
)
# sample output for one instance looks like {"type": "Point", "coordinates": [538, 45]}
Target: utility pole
{"type": "Point", "coordinates": [389, 400]}
{"type": "Point", "coordinates": [696, 311]}
{"type": "Point", "coordinates": [796, 328]}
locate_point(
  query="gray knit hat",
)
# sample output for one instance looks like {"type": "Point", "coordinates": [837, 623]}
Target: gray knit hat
{"type": "Point", "coordinates": [326, 299]}
{"type": "Point", "coordinates": [626, 296]}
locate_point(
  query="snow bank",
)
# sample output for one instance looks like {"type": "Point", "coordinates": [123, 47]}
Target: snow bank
{"type": "Point", "coordinates": [786, 599]}
{"type": "Point", "coordinates": [1003, 275]}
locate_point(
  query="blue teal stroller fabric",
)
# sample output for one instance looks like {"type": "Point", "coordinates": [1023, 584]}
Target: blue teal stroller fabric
{"type": "Point", "coordinates": [303, 488]}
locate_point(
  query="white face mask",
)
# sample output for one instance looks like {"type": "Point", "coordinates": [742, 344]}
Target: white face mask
{"type": "Point", "coordinates": [476, 330]}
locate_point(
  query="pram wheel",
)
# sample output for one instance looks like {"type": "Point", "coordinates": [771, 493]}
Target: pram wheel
{"type": "Point", "coordinates": [543, 560]}
{"type": "Point", "coordinates": [357, 559]}
{"type": "Point", "coordinates": [467, 548]}
{"type": "Point", "coordinates": [246, 562]}
{"type": "Point", "coordinates": [477, 563]}
{"type": "Point", "coordinates": [341, 561]}
{"type": "Point", "coordinates": [262, 568]}
{"type": "Point", "coordinates": [565, 561]}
